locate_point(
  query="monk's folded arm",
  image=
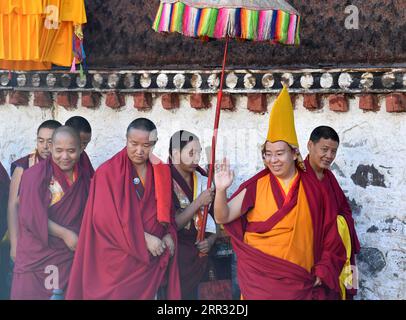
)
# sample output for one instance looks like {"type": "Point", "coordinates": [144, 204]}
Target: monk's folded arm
{"type": "Point", "coordinates": [12, 212]}
{"type": "Point", "coordinates": [154, 245]}
{"type": "Point", "coordinates": [56, 230]}
{"type": "Point", "coordinates": [169, 243]}
{"type": "Point", "coordinates": [227, 212]}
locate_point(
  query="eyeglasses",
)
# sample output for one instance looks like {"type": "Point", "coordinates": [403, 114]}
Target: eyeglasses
{"type": "Point", "coordinates": [269, 155]}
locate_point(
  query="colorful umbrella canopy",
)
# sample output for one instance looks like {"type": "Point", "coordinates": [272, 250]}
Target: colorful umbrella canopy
{"type": "Point", "coordinates": [257, 20]}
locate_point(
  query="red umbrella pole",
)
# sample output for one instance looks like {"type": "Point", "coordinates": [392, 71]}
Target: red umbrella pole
{"type": "Point", "coordinates": [201, 233]}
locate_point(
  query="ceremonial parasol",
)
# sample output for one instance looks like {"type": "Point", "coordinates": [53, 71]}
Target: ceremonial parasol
{"type": "Point", "coordinates": [257, 20]}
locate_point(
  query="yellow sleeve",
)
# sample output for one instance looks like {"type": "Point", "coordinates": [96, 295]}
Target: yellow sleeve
{"type": "Point", "coordinates": [73, 11]}
{"type": "Point", "coordinates": [346, 274]}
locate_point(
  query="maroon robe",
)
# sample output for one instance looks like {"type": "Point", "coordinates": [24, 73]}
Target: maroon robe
{"type": "Point", "coordinates": [4, 189]}
{"type": "Point", "coordinates": [36, 248]}
{"type": "Point", "coordinates": [342, 207]}
{"type": "Point", "coordinates": [192, 267]}
{"type": "Point", "coordinates": [85, 164]}
{"type": "Point", "coordinates": [112, 260]}
{"type": "Point", "coordinates": [264, 277]}
{"type": "Point", "coordinates": [22, 163]}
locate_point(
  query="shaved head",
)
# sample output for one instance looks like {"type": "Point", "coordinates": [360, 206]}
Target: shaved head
{"type": "Point", "coordinates": [82, 126]}
{"type": "Point", "coordinates": [79, 123]}
{"type": "Point", "coordinates": [44, 137]}
{"type": "Point", "coordinates": [146, 125]}
{"type": "Point", "coordinates": [49, 124]}
{"type": "Point", "coordinates": [66, 131]}
{"type": "Point", "coordinates": [65, 149]}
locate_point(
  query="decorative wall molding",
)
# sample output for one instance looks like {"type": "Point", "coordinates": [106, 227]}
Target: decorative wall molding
{"type": "Point", "coordinates": [363, 80]}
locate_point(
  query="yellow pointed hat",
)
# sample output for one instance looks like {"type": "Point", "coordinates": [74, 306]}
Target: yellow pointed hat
{"type": "Point", "coordinates": [282, 124]}
{"type": "Point", "coordinates": [281, 121]}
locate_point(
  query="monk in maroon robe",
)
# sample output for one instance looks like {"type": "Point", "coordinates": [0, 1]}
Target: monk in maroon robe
{"type": "Point", "coordinates": [265, 277]}
{"type": "Point", "coordinates": [323, 144]}
{"type": "Point", "coordinates": [52, 199]}
{"type": "Point", "coordinates": [282, 225]}
{"type": "Point", "coordinates": [42, 149]}
{"type": "Point", "coordinates": [41, 152]}
{"type": "Point", "coordinates": [82, 126]}
{"type": "Point", "coordinates": [86, 164]}
{"type": "Point", "coordinates": [127, 242]}
{"type": "Point", "coordinates": [190, 196]}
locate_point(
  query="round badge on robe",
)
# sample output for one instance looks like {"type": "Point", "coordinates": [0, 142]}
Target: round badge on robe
{"type": "Point", "coordinates": [136, 181]}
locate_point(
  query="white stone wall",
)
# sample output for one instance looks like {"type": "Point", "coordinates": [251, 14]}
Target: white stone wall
{"type": "Point", "coordinates": [373, 138]}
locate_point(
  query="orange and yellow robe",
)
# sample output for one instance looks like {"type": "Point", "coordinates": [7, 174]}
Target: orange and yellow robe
{"type": "Point", "coordinates": [285, 238]}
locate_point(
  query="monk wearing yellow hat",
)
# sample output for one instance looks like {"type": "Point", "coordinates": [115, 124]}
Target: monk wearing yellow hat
{"type": "Point", "coordinates": [282, 225]}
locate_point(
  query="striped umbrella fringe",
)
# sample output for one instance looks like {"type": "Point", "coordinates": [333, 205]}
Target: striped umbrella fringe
{"type": "Point", "coordinates": [276, 26]}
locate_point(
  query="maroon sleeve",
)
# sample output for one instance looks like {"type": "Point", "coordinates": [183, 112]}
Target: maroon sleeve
{"type": "Point", "coordinates": [333, 255]}
{"type": "Point", "coordinates": [33, 204]}
{"type": "Point", "coordinates": [86, 164]}
{"type": "Point", "coordinates": [21, 163]}
{"type": "Point", "coordinates": [344, 209]}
